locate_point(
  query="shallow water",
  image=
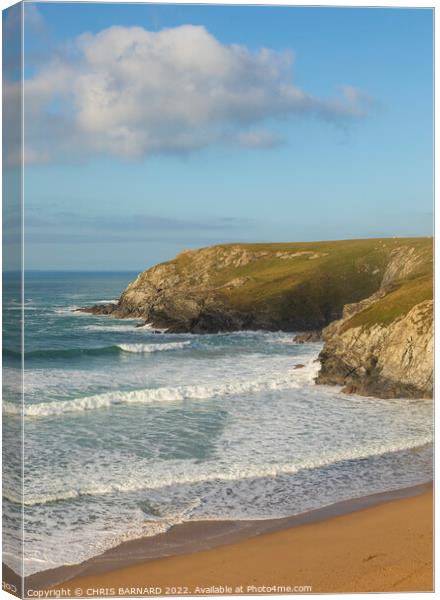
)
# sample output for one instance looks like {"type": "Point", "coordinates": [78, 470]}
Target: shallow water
{"type": "Point", "coordinates": [128, 432]}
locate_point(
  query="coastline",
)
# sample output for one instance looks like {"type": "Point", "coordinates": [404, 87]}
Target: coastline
{"type": "Point", "coordinates": [164, 558]}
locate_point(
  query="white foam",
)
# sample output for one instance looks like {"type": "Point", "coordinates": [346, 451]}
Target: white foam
{"type": "Point", "coordinates": [116, 328]}
{"type": "Point", "coordinates": [174, 475]}
{"type": "Point", "coordinates": [69, 310]}
{"type": "Point", "coordinates": [278, 381]}
{"type": "Point", "coordinates": [146, 348]}
{"type": "Point", "coordinates": [206, 368]}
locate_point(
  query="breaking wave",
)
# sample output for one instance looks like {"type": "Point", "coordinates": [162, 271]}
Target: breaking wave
{"type": "Point", "coordinates": [161, 394]}
{"type": "Point", "coordinates": [114, 349]}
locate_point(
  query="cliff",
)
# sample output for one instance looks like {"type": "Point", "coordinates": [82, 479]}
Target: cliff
{"type": "Point", "coordinates": [383, 346]}
{"type": "Point", "coordinates": [384, 361]}
{"type": "Point", "coordinates": [372, 297]}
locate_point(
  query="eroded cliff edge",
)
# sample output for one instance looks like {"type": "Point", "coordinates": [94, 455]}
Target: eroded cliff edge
{"type": "Point", "coordinates": [372, 298]}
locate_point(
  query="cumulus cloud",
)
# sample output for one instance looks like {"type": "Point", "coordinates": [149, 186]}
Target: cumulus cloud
{"type": "Point", "coordinates": [129, 92]}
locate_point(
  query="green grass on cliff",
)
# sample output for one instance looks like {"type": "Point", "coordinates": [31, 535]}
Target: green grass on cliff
{"type": "Point", "coordinates": [315, 289]}
{"type": "Point", "coordinates": [395, 304]}
{"type": "Point", "coordinates": [416, 288]}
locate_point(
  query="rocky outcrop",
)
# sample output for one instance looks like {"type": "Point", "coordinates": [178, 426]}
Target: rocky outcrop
{"type": "Point", "coordinates": [182, 296]}
{"type": "Point", "coordinates": [388, 360]}
{"type": "Point", "coordinates": [385, 361]}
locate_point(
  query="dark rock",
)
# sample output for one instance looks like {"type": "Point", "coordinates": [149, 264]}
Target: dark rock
{"type": "Point", "coordinates": [308, 337]}
{"type": "Point", "coordinates": [98, 309]}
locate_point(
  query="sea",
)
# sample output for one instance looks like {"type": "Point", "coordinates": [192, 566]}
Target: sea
{"type": "Point", "coordinates": [129, 431]}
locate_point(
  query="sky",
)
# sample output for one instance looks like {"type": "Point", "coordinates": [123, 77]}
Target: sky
{"type": "Point", "coordinates": [150, 129]}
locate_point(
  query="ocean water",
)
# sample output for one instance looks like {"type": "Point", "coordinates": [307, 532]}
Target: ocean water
{"type": "Point", "coordinates": [130, 431]}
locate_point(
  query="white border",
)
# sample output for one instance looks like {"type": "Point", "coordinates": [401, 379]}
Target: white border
{"type": "Point", "coordinates": [304, 3]}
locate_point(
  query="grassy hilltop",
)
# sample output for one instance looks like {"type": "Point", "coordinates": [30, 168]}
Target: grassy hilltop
{"type": "Point", "coordinates": [314, 280]}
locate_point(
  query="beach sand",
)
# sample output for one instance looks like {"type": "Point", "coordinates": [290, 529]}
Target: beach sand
{"type": "Point", "coordinates": [386, 547]}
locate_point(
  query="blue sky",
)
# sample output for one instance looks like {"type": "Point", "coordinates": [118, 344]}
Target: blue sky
{"type": "Point", "coordinates": [141, 145]}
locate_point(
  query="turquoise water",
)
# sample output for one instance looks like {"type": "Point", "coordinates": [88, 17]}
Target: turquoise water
{"type": "Point", "coordinates": [130, 431]}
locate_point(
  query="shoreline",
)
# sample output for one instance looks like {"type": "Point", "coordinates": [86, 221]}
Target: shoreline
{"type": "Point", "coordinates": [192, 538]}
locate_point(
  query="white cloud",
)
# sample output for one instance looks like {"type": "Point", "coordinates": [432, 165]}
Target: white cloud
{"type": "Point", "coordinates": [130, 92]}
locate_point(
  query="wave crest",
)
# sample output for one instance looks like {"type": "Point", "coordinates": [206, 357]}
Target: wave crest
{"type": "Point", "coordinates": [161, 394]}
{"type": "Point", "coordinates": [114, 349]}
{"type": "Point", "coordinates": [146, 348]}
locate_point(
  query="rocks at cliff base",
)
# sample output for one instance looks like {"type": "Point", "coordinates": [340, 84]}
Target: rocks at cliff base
{"type": "Point", "coordinates": [98, 309]}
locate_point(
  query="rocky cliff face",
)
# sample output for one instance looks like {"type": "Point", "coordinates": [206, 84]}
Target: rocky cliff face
{"type": "Point", "coordinates": [383, 359]}
{"type": "Point", "coordinates": [190, 294]}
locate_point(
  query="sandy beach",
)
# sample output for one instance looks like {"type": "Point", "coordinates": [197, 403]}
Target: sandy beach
{"type": "Point", "coordinates": [386, 547]}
